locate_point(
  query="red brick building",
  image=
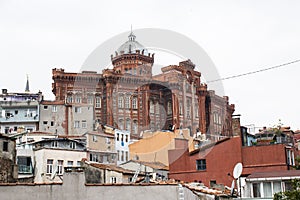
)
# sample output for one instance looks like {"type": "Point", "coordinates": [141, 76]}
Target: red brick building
{"type": "Point", "coordinates": [211, 163]}
{"type": "Point", "coordinates": [129, 97]}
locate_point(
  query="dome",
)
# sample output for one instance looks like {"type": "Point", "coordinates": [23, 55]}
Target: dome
{"type": "Point", "coordinates": [131, 46]}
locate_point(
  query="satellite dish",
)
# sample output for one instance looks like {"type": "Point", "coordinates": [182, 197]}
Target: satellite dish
{"type": "Point", "coordinates": [237, 171]}
{"type": "Point", "coordinates": [232, 188]}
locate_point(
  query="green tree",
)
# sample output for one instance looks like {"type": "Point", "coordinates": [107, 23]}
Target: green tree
{"type": "Point", "coordinates": [293, 194]}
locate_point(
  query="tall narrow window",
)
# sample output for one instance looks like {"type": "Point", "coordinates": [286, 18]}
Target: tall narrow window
{"type": "Point", "coordinates": [60, 165]}
{"type": "Point", "coordinates": [151, 107]}
{"type": "Point", "coordinates": [5, 146]}
{"type": "Point", "coordinates": [69, 99]}
{"type": "Point", "coordinates": [90, 99]}
{"type": "Point", "coordinates": [135, 127]}
{"type": "Point", "coordinates": [98, 102]}
{"type": "Point", "coordinates": [49, 166]}
{"type": "Point", "coordinates": [180, 108]}
{"type": "Point", "coordinates": [127, 101]}
{"type": "Point", "coordinates": [169, 107]}
{"type": "Point", "coordinates": [78, 99]}
{"type": "Point", "coordinates": [120, 101]}
{"type": "Point", "coordinates": [128, 124]}
{"type": "Point", "coordinates": [83, 124]}
{"type": "Point", "coordinates": [134, 103]}
{"type": "Point", "coordinates": [54, 108]}
{"type": "Point", "coordinates": [188, 109]}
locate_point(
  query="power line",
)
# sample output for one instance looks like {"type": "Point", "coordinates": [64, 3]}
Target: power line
{"type": "Point", "coordinates": [254, 72]}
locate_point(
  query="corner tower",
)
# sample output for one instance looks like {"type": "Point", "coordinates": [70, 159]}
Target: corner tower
{"type": "Point", "coordinates": [133, 58]}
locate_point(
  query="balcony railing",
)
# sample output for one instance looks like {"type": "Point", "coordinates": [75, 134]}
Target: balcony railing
{"type": "Point", "coordinates": [25, 169]}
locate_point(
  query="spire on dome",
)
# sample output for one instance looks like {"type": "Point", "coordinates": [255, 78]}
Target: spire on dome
{"type": "Point", "coordinates": [131, 36]}
{"type": "Point", "coordinates": [27, 85]}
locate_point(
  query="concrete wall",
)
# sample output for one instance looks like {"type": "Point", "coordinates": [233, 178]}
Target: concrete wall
{"type": "Point", "coordinates": [73, 187]}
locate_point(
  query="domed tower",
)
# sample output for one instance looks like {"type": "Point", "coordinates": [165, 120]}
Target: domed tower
{"type": "Point", "coordinates": [133, 58]}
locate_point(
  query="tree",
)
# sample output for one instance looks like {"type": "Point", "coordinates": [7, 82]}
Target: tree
{"type": "Point", "coordinates": [293, 194]}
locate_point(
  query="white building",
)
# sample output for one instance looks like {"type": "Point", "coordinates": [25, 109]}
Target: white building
{"type": "Point", "coordinates": [122, 140]}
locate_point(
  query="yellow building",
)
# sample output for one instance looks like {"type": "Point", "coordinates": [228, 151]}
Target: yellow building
{"type": "Point", "coordinates": [154, 147]}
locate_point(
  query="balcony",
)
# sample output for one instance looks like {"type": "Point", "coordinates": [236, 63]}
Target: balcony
{"type": "Point", "coordinates": [24, 169]}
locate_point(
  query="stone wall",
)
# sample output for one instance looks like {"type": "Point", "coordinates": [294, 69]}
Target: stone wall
{"type": "Point", "coordinates": [74, 187]}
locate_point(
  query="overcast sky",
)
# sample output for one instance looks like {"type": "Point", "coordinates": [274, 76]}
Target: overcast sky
{"type": "Point", "coordinates": [239, 37]}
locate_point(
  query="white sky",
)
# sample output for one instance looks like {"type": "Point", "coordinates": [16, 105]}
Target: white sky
{"type": "Point", "coordinates": [239, 36]}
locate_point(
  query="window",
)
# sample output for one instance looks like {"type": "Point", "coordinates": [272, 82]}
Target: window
{"type": "Point", "coordinates": [120, 102]}
{"type": "Point", "coordinates": [256, 189]}
{"type": "Point", "coordinates": [16, 112]}
{"type": "Point", "coordinates": [90, 100]}
{"type": "Point", "coordinates": [72, 145]}
{"type": "Point", "coordinates": [24, 165]}
{"type": "Point", "coordinates": [78, 99]}
{"type": "Point", "coordinates": [267, 189]}
{"type": "Point", "coordinates": [118, 136]}
{"type": "Point", "coordinates": [94, 157]}
{"type": "Point", "coordinates": [45, 122]}
{"type": "Point", "coordinates": [151, 107]}
{"type": "Point", "coordinates": [127, 124]}
{"type": "Point", "coordinates": [60, 167]}
{"type": "Point", "coordinates": [107, 140]}
{"type": "Point", "coordinates": [45, 107]}
{"type": "Point", "coordinates": [118, 155]}
{"type": "Point", "coordinates": [188, 109]}
{"type": "Point", "coordinates": [83, 124]}
{"type": "Point", "coordinates": [126, 101]}
{"type": "Point", "coordinates": [49, 166]}
{"type": "Point", "coordinates": [69, 99]}
{"type": "Point", "coordinates": [290, 157]}
{"type": "Point", "coordinates": [169, 108]}
{"type": "Point", "coordinates": [113, 179]}
{"type": "Point", "coordinates": [201, 164]}
{"type": "Point", "coordinates": [126, 155]}
{"type": "Point", "coordinates": [52, 123]}
{"type": "Point", "coordinates": [77, 109]}
{"type": "Point", "coordinates": [122, 155]}
{"type": "Point", "coordinates": [54, 144]}
{"type": "Point", "coordinates": [98, 102]}
{"type": "Point", "coordinates": [70, 163]}
{"type": "Point", "coordinates": [77, 124]}
{"type": "Point", "coordinates": [157, 108]}
{"type": "Point", "coordinates": [135, 127]}
{"type": "Point", "coordinates": [180, 108]}
{"type": "Point", "coordinates": [5, 146]}
{"type": "Point", "coordinates": [54, 108]}
{"type": "Point", "coordinates": [121, 124]}
{"type": "Point", "coordinates": [78, 163]}
{"type": "Point", "coordinates": [126, 138]}
{"type": "Point", "coordinates": [134, 103]}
